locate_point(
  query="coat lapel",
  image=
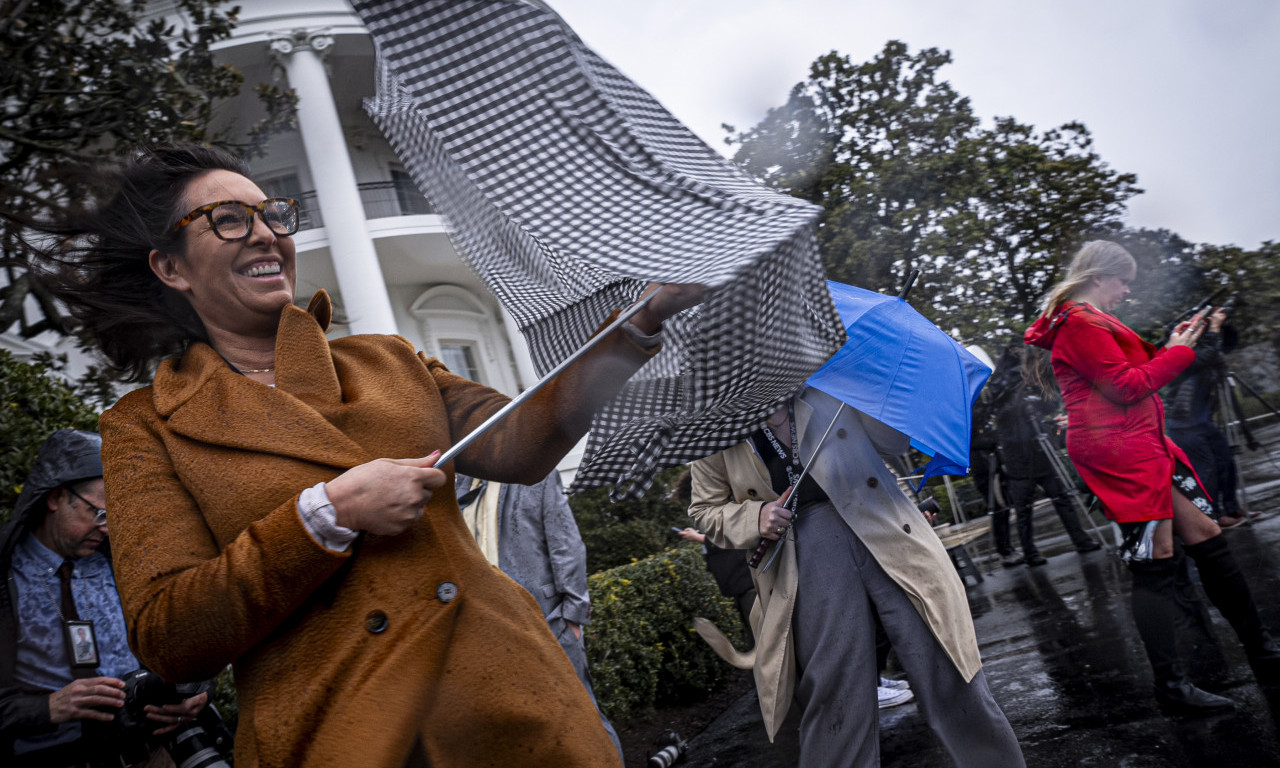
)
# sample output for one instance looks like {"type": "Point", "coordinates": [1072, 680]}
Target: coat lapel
{"type": "Point", "coordinates": [204, 400]}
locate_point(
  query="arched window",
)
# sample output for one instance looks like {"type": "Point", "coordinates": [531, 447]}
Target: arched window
{"type": "Point", "coordinates": [464, 333]}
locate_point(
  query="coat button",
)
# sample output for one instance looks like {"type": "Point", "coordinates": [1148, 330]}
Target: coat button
{"type": "Point", "coordinates": [840, 433]}
{"type": "Point", "coordinates": [446, 591]}
{"type": "Point", "coordinates": [906, 527]}
{"type": "Point", "coordinates": [752, 492]}
{"type": "Point", "coordinates": [376, 622]}
{"type": "Point", "coordinates": [872, 482]}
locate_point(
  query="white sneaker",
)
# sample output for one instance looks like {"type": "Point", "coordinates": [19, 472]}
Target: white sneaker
{"type": "Point", "coordinates": [895, 684]}
{"type": "Point", "coordinates": [892, 697]}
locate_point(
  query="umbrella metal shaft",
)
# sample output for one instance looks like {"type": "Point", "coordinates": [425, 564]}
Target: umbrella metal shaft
{"type": "Point", "coordinates": [489, 423]}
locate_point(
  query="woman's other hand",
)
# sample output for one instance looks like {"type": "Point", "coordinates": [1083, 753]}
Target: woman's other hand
{"type": "Point", "coordinates": [775, 518]}
{"type": "Point", "coordinates": [673, 299]}
{"type": "Point", "coordinates": [384, 496]}
{"type": "Point", "coordinates": [1188, 333]}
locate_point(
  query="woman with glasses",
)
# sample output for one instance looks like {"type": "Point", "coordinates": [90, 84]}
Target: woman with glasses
{"type": "Point", "coordinates": [275, 503]}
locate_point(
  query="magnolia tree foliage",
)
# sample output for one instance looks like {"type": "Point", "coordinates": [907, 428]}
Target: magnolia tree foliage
{"type": "Point", "coordinates": [909, 178]}
{"type": "Point", "coordinates": [85, 79]}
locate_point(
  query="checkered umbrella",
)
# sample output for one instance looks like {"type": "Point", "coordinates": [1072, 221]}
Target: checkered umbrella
{"type": "Point", "coordinates": [568, 188]}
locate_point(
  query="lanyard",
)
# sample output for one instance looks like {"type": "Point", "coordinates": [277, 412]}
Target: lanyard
{"type": "Point", "coordinates": [793, 465]}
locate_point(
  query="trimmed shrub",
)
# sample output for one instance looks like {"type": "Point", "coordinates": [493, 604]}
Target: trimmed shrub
{"type": "Point", "coordinates": [224, 699]}
{"type": "Point", "coordinates": [623, 532]}
{"type": "Point", "coordinates": [33, 405]}
{"type": "Point", "coordinates": [641, 643]}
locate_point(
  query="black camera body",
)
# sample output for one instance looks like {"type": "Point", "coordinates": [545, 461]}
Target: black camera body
{"type": "Point", "coordinates": [198, 744]}
{"type": "Point", "coordinates": [142, 687]}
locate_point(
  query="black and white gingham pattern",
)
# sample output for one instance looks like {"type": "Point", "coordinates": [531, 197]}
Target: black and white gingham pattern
{"type": "Point", "coordinates": [567, 188]}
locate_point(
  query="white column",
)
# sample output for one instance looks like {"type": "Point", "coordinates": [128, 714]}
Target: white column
{"type": "Point", "coordinates": [364, 292]}
{"type": "Point", "coordinates": [527, 375]}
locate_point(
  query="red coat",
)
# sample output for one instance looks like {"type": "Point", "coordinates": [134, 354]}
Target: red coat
{"type": "Point", "coordinates": [1109, 378]}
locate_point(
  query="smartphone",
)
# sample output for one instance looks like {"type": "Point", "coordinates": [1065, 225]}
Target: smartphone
{"type": "Point", "coordinates": [677, 530]}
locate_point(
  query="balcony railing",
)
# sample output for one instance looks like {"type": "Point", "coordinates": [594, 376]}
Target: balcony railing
{"type": "Point", "coordinates": [381, 199]}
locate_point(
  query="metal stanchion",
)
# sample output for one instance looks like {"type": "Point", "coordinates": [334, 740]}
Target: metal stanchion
{"type": "Point", "coordinates": [1068, 482]}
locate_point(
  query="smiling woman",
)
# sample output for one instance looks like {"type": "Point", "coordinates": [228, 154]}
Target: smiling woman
{"type": "Point", "coordinates": [238, 267]}
{"type": "Point", "coordinates": [237, 509]}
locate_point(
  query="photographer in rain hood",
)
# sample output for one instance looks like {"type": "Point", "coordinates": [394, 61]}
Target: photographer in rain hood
{"type": "Point", "coordinates": [71, 692]}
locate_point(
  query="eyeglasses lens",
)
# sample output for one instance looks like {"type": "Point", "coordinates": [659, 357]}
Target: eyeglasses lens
{"type": "Point", "coordinates": [231, 221]}
{"type": "Point", "coordinates": [281, 217]}
{"type": "Point", "coordinates": [234, 220]}
{"type": "Point", "coordinates": [100, 518]}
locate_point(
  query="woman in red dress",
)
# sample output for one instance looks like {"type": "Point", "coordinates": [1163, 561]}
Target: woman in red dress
{"type": "Point", "coordinates": [1109, 378]}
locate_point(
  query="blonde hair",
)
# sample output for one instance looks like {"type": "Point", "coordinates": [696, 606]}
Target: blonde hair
{"type": "Point", "coordinates": [1096, 258]}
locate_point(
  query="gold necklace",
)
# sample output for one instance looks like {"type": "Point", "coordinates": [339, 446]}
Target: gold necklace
{"type": "Point", "coordinates": [257, 370]}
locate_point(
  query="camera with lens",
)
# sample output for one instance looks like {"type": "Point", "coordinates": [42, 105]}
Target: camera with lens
{"type": "Point", "coordinates": [200, 743]}
{"type": "Point", "coordinates": [667, 750]}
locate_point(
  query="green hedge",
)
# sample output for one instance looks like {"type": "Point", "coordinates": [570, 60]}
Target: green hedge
{"type": "Point", "coordinates": [641, 643]}
{"type": "Point", "coordinates": [617, 533]}
{"type": "Point", "coordinates": [33, 405]}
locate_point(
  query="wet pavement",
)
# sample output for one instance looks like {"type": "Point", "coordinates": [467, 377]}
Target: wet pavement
{"type": "Point", "coordinates": [1065, 663]}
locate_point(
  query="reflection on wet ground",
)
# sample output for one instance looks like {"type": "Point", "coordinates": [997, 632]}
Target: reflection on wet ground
{"type": "Point", "coordinates": [1064, 661]}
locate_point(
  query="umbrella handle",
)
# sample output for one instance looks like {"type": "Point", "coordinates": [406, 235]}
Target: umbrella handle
{"type": "Point", "coordinates": [758, 555]}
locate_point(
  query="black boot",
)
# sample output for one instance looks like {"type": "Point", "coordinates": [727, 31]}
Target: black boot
{"type": "Point", "coordinates": [1226, 587]}
{"type": "Point", "coordinates": [1156, 614]}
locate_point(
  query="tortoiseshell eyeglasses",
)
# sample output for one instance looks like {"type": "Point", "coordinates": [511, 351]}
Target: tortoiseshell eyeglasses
{"type": "Point", "coordinates": [232, 220]}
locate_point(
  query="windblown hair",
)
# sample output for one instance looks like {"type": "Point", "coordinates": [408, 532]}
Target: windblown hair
{"type": "Point", "coordinates": [96, 259]}
{"type": "Point", "coordinates": [1096, 258]}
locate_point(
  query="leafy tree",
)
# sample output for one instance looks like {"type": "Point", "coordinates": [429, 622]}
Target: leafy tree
{"type": "Point", "coordinates": [1036, 197]}
{"type": "Point", "coordinates": [878, 146]}
{"type": "Point", "coordinates": [33, 405]}
{"type": "Point", "coordinates": [908, 178]}
{"type": "Point", "coordinates": [86, 79]}
{"type": "Point", "coordinates": [1254, 279]}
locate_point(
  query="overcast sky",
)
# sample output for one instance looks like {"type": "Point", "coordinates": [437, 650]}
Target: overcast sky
{"type": "Point", "coordinates": [1184, 93]}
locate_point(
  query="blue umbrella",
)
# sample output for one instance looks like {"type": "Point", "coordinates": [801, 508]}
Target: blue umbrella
{"type": "Point", "coordinates": [901, 369]}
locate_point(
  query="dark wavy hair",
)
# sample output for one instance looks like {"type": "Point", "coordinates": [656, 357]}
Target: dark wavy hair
{"type": "Point", "coordinates": [95, 258]}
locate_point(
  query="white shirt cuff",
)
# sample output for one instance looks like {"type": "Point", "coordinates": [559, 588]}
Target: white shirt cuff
{"type": "Point", "coordinates": [320, 520]}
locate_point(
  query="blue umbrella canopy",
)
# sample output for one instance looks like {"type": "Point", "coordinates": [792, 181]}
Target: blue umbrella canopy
{"type": "Point", "coordinates": [904, 371]}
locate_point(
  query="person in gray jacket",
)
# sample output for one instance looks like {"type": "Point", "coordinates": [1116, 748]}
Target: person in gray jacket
{"type": "Point", "coordinates": [529, 532]}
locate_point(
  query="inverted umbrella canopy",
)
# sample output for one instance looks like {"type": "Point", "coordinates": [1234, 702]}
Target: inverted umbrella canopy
{"type": "Point", "coordinates": [904, 371]}
{"type": "Point", "coordinates": [567, 188]}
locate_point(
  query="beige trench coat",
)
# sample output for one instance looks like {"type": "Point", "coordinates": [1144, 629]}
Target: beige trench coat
{"type": "Point", "coordinates": [730, 487]}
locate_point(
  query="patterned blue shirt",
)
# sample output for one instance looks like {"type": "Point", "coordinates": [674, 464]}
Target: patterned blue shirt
{"type": "Point", "coordinates": [42, 657]}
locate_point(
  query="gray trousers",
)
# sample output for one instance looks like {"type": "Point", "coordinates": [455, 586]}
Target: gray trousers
{"type": "Point", "coordinates": [839, 582]}
{"type": "Point", "coordinates": [577, 653]}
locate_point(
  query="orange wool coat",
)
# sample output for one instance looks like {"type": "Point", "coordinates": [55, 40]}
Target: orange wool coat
{"type": "Point", "coordinates": [345, 659]}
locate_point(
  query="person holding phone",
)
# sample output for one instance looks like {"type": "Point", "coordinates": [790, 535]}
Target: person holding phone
{"type": "Point", "coordinates": [1109, 377]}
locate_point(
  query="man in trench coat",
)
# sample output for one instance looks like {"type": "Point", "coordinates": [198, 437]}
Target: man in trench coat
{"type": "Point", "coordinates": [862, 549]}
